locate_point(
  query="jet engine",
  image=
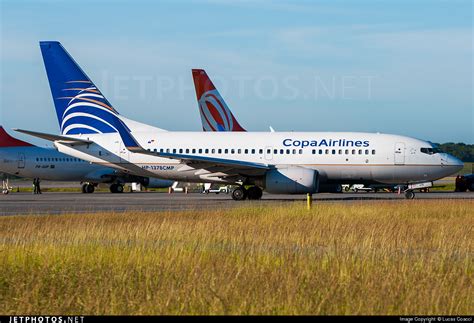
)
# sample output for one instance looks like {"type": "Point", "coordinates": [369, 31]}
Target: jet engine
{"type": "Point", "coordinates": [291, 180]}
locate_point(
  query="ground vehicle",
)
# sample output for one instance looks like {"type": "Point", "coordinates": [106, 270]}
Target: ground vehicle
{"type": "Point", "coordinates": [208, 188]}
{"type": "Point", "coordinates": [464, 183]}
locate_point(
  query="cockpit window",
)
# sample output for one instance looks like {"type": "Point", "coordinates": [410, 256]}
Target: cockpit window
{"type": "Point", "coordinates": [431, 151]}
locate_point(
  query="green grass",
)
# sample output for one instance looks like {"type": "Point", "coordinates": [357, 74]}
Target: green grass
{"type": "Point", "coordinates": [401, 257]}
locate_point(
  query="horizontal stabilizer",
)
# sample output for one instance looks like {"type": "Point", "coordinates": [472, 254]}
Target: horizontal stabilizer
{"type": "Point", "coordinates": [61, 139]}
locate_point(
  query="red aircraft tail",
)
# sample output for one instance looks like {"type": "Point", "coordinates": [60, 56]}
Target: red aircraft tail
{"type": "Point", "coordinates": [8, 141]}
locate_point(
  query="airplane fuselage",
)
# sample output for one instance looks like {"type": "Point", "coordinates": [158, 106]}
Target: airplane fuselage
{"type": "Point", "coordinates": [338, 156]}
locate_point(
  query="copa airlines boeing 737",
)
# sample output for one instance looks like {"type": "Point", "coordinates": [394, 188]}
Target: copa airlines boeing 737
{"type": "Point", "coordinates": [278, 162]}
{"type": "Point", "coordinates": [23, 159]}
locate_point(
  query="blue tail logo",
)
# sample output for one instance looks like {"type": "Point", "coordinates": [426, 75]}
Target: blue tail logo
{"type": "Point", "coordinates": [80, 106]}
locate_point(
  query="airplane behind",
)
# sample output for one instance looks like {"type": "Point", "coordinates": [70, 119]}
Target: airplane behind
{"type": "Point", "coordinates": [23, 159]}
{"type": "Point", "coordinates": [278, 162]}
{"type": "Point", "coordinates": [215, 114]}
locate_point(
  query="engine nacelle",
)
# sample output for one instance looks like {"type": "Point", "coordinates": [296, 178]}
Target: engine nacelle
{"type": "Point", "coordinates": [152, 182]}
{"type": "Point", "coordinates": [292, 180]}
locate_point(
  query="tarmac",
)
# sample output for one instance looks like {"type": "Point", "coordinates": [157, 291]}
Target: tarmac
{"type": "Point", "coordinates": [17, 203]}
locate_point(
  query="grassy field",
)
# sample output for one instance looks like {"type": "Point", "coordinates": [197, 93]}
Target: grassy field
{"type": "Point", "coordinates": [401, 257]}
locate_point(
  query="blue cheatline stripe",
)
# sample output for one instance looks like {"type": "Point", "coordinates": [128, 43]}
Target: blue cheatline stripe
{"type": "Point", "coordinates": [94, 123]}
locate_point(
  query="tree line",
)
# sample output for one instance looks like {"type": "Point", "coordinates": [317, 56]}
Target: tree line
{"type": "Point", "coordinates": [463, 151]}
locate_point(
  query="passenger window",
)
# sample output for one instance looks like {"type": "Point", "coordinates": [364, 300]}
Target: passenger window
{"type": "Point", "coordinates": [294, 151]}
{"type": "Point", "coordinates": [320, 151]}
{"type": "Point", "coordinates": [287, 151]}
{"type": "Point", "coordinates": [253, 151]}
{"type": "Point", "coordinates": [161, 150]}
{"type": "Point", "coordinates": [226, 151]}
{"type": "Point", "coordinates": [219, 151]}
{"type": "Point", "coordinates": [180, 150]}
{"type": "Point", "coordinates": [326, 151]}
{"type": "Point", "coordinates": [207, 151]}
{"type": "Point", "coordinates": [366, 151]}
{"type": "Point", "coordinates": [213, 151]}
{"type": "Point", "coordinates": [232, 151]}
{"type": "Point", "coordinates": [174, 151]}
{"type": "Point", "coordinates": [340, 151]}
{"type": "Point", "coordinates": [187, 150]}
{"type": "Point", "coordinates": [194, 150]}
{"type": "Point", "coordinates": [360, 151]}
{"type": "Point", "coordinates": [301, 151]}
{"type": "Point", "coordinates": [347, 151]}
{"type": "Point", "coordinates": [260, 151]}
{"type": "Point", "coordinates": [239, 151]}
{"type": "Point", "coordinates": [275, 151]}
{"type": "Point", "coordinates": [282, 151]}
{"type": "Point", "coordinates": [37, 159]}
{"type": "Point", "coordinates": [269, 151]}
{"type": "Point", "coordinates": [246, 151]}
{"type": "Point", "coordinates": [353, 151]}
{"type": "Point", "coordinates": [373, 151]}
{"type": "Point", "coordinates": [334, 151]}
{"type": "Point", "coordinates": [200, 150]}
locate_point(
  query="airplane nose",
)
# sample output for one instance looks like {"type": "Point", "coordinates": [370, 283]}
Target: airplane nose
{"type": "Point", "coordinates": [455, 162]}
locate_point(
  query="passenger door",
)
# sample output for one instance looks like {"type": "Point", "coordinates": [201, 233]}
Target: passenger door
{"type": "Point", "coordinates": [400, 153]}
{"type": "Point", "coordinates": [21, 160]}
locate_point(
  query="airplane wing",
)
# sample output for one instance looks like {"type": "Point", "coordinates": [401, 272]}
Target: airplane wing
{"type": "Point", "coordinates": [227, 167]}
{"type": "Point", "coordinates": [60, 139]}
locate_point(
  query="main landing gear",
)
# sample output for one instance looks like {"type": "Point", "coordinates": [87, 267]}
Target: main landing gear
{"type": "Point", "coordinates": [88, 188]}
{"type": "Point", "coordinates": [116, 188]}
{"type": "Point", "coordinates": [253, 193]}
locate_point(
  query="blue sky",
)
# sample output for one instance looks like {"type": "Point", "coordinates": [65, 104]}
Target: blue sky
{"type": "Point", "coordinates": [402, 67]}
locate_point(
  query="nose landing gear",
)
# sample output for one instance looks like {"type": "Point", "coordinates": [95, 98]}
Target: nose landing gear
{"type": "Point", "coordinates": [410, 195]}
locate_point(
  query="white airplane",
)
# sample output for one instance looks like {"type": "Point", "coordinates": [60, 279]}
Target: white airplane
{"type": "Point", "coordinates": [23, 159]}
{"type": "Point", "coordinates": [278, 162]}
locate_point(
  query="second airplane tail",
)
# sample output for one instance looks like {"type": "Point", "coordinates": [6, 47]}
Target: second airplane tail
{"type": "Point", "coordinates": [8, 141]}
{"type": "Point", "coordinates": [215, 114]}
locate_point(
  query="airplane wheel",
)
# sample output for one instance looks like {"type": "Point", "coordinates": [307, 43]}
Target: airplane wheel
{"type": "Point", "coordinates": [410, 195]}
{"type": "Point", "coordinates": [113, 188]}
{"type": "Point", "coordinates": [471, 187]}
{"type": "Point", "coordinates": [338, 188]}
{"type": "Point", "coordinates": [119, 188]}
{"type": "Point", "coordinates": [254, 193]}
{"type": "Point", "coordinates": [90, 188]}
{"type": "Point", "coordinates": [239, 194]}
{"type": "Point", "coordinates": [84, 188]}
